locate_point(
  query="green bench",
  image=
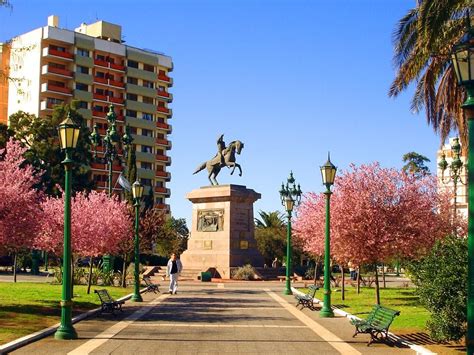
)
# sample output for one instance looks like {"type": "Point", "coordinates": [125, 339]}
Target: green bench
{"type": "Point", "coordinates": [307, 300]}
{"type": "Point", "coordinates": [376, 324]}
{"type": "Point", "coordinates": [107, 303]}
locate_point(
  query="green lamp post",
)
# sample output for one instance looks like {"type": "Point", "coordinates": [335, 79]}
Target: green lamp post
{"type": "Point", "coordinates": [463, 63]}
{"type": "Point", "coordinates": [68, 134]}
{"type": "Point", "coordinates": [109, 142]}
{"type": "Point", "coordinates": [455, 170]}
{"type": "Point", "coordinates": [137, 192]}
{"type": "Point", "coordinates": [290, 195]}
{"type": "Point", "coordinates": [328, 173]}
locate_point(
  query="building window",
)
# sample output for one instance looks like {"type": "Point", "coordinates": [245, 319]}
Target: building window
{"type": "Point", "coordinates": [147, 132]}
{"type": "Point", "coordinates": [146, 182]}
{"type": "Point", "coordinates": [149, 67]}
{"type": "Point", "coordinates": [133, 81]}
{"type": "Point", "coordinates": [57, 65]}
{"type": "Point", "coordinates": [148, 84]}
{"type": "Point", "coordinates": [82, 52]}
{"type": "Point", "coordinates": [54, 101]}
{"type": "Point", "coordinates": [100, 57]}
{"type": "Point", "coordinates": [147, 116]}
{"type": "Point", "coordinates": [82, 87]}
{"type": "Point", "coordinates": [147, 100]}
{"type": "Point", "coordinates": [161, 120]}
{"type": "Point", "coordinates": [145, 165]}
{"type": "Point", "coordinates": [83, 104]}
{"type": "Point", "coordinates": [132, 97]}
{"type": "Point", "coordinates": [99, 74]}
{"type": "Point", "coordinates": [133, 130]}
{"type": "Point", "coordinates": [83, 70]}
{"type": "Point", "coordinates": [160, 168]}
{"type": "Point", "coordinates": [57, 83]}
{"type": "Point", "coordinates": [160, 184]}
{"type": "Point", "coordinates": [131, 113]}
{"type": "Point", "coordinates": [160, 152]}
{"type": "Point", "coordinates": [146, 149]}
{"type": "Point", "coordinates": [132, 64]}
{"type": "Point", "coordinates": [57, 48]}
{"type": "Point", "coordinates": [100, 108]}
{"type": "Point", "coordinates": [161, 104]}
{"type": "Point", "coordinates": [159, 200]}
{"type": "Point", "coordinates": [161, 89]}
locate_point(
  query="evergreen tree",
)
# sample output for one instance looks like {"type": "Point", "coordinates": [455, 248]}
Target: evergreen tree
{"type": "Point", "coordinates": [415, 164]}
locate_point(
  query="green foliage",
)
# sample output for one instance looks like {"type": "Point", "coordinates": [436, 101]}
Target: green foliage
{"type": "Point", "coordinates": [40, 136]}
{"type": "Point", "coordinates": [246, 272]}
{"type": "Point", "coordinates": [5, 134]}
{"type": "Point", "coordinates": [175, 236]}
{"type": "Point", "coordinates": [415, 164]}
{"type": "Point", "coordinates": [270, 234]}
{"type": "Point", "coordinates": [441, 278]}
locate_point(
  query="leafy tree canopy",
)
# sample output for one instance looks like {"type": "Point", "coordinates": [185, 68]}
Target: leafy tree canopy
{"type": "Point", "coordinates": [415, 164]}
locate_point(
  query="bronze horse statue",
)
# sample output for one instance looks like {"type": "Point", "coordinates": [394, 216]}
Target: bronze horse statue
{"type": "Point", "coordinates": [225, 157]}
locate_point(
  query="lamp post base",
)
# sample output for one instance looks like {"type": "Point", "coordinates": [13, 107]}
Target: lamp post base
{"type": "Point", "coordinates": [287, 292]}
{"type": "Point", "coordinates": [65, 333]}
{"type": "Point", "coordinates": [326, 313]}
{"type": "Point", "coordinates": [136, 298]}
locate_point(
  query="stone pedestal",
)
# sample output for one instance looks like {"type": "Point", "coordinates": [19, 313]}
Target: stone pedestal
{"type": "Point", "coordinates": [222, 234]}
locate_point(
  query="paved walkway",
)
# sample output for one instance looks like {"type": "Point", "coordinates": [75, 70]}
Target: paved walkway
{"type": "Point", "coordinates": [214, 318]}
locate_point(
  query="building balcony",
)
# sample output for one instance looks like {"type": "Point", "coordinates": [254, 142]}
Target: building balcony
{"type": "Point", "coordinates": [99, 97]}
{"type": "Point", "coordinates": [163, 142]}
{"type": "Point", "coordinates": [116, 100]}
{"type": "Point", "coordinates": [99, 113]}
{"type": "Point", "coordinates": [46, 106]}
{"type": "Point", "coordinates": [100, 166]}
{"type": "Point", "coordinates": [101, 63]}
{"type": "Point", "coordinates": [163, 158]}
{"type": "Point", "coordinates": [47, 69]}
{"type": "Point", "coordinates": [165, 78]}
{"type": "Point", "coordinates": [119, 84]}
{"type": "Point", "coordinates": [45, 87]}
{"type": "Point", "coordinates": [49, 52]}
{"type": "Point", "coordinates": [100, 80]}
{"type": "Point", "coordinates": [162, 206]}
{"type": "Point", "coordinates": [165, 126]}
{"type": "Point", "coordinates": [164, 174]}
{"type": "Point", "coordinates": [163, 109]}
{"type": "Point", "coordinates": [101, 184]}
{"type": "Point", "coordinates": [163, 191]}
{"type": "Point", "coordinates": [118, 67]}
{"type": "Point", "coordinates": [165, 95]}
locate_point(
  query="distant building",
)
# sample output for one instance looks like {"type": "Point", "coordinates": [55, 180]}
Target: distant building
{"type": "Point", "coordinates": [447, 184]}
{"type": "Point", "coordinates": [93, 66]}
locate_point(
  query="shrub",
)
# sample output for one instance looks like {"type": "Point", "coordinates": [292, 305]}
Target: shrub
{"type": "Point", "coordinates": [246, 272]}
{"type": "Point", "coordinates": [441, 278]}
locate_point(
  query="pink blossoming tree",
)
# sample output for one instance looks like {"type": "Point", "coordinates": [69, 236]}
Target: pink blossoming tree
{"type": "Point", "coordinates": [377, 214]}
{"type": "Point", "coordinates": [19, 201]}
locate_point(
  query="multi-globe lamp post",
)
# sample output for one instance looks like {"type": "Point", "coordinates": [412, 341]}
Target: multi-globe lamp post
{"type": "Point", "coordinates": [137, 192]}
{"type": "Point", "coordinates": [463, 63]}
{"type": "Point", "coordinates": [110, 153]}
{"type": "Point", "coordinates": [328, 174]}
{"type": "Point", "coordinates": [68, 134]}
{"type": "Point", "coordinates": [290, 195]}
{"type": "Point", "coordinates": [455, 170]}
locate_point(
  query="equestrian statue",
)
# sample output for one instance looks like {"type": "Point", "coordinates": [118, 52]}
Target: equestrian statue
{"type": "Point", "coordinates": [225, 157]}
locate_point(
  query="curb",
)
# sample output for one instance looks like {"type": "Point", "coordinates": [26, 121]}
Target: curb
{"type": "Point", "coordinates": [420, 350]}
{"type": "Point", "coordinates": [30, 338]}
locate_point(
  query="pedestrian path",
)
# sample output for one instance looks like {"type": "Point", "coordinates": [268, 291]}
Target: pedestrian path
{"type": "Point", "coordinates": [213, 319]}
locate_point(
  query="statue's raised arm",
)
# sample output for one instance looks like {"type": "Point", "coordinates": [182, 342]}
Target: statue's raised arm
{"type": "Point", "coordinates": [225, 157]}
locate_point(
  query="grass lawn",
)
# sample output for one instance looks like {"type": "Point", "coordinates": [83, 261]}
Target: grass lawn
{"type": "Point", "coordinates": [412, 317]}
{"type": "Point", "coordinates": [28, 307]}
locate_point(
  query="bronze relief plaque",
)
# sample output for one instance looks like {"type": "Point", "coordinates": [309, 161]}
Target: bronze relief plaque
{"type": "Point", "coordinates": [210, 220]}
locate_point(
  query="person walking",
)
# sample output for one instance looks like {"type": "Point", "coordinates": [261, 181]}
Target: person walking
{"type": "Point", "coordinates": [173, 269]}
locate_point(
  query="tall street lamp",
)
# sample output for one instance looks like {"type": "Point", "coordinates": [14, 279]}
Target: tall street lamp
{"type": "Point", "coordinates": [290, 195]}
{"type": "Point", "coordinates": [455, 170]}
{"type": "Point", "coordinates": [109, 142]}
{"type": "Point", "coordinates": [463, 63]}
{"type": "Point", "coordinates": [68, 134]}
{"type": "Point", "coordinates": [137, 192]}
{"type": "Point", "coordinates": [328, 173]}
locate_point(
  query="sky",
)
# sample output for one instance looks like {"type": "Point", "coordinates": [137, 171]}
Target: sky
{"type": "Point", "coordinates": [292, 79]}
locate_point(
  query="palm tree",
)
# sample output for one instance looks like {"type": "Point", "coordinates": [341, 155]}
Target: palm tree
{"type": "Point", "coordinates": [423, 40]}
{"type": "Point", "coordinates": [269, 220]}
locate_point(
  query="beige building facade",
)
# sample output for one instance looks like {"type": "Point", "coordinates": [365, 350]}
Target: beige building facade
{"type": "Point", "coordinates": [93, 66]}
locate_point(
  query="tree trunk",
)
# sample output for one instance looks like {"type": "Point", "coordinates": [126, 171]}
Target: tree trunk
{"type": "Point", "coordinates": [383, 276]}
{"type": "Point", "coordinates": [89, 281]}
{"type": "Point", "coordinates": [124, 271]}
{"type": "Point", "coordinates": [377, 287]}
{"type": "Point", "coordinates": [343, 297]}
{"type": "Point", "coordinates": [14, 267]}
{"type": "Point", "coordinates": [315, 271]}
{"type": "Point", "coordinates": [358, 279]}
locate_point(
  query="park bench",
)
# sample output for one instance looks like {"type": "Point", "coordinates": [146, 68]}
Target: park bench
{"type": "Point", "coordinates": [108, 304]}
{"type": "Point", "coordinates": [150, 286]}
{"type": "Point", "coordinates": [307, 300]}
{"type": "Point", "coordinates": [376, 324]}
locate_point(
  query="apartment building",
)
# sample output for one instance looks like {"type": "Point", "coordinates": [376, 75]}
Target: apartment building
{"type": "Point", "coordinates": [93, 66]}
